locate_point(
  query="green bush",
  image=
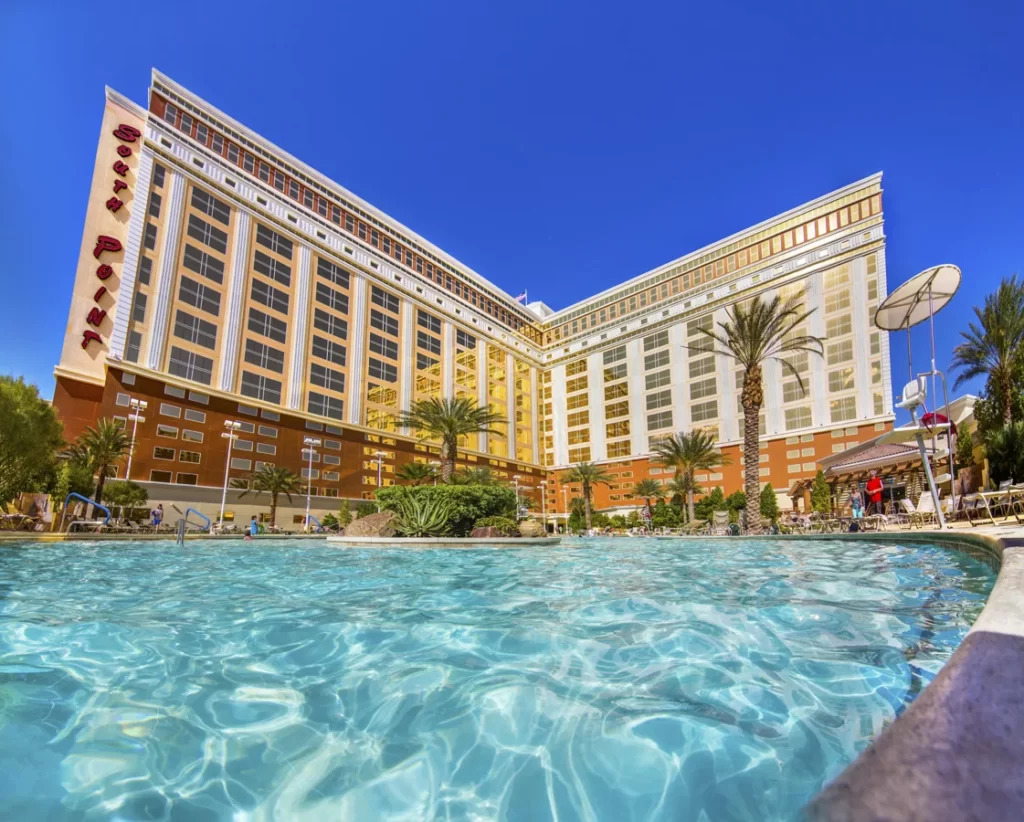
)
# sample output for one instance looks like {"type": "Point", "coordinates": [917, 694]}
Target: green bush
{"type": "Point", "coordinates": [618, 521]}
{"type": "Point", "coordinates": [364, 509]}
{"type": "Point", "coordinates": [329, 522]}
{"type": "Point", "coordinates": [715, 501]}
{"type": "Point", "coordinates": [469, 503]}
{"type": "Point", "coordinates": [821, 494]}
{"type": "Point", "coordinates": [344, 514]}
{"type": "Point", "coordinates": [417, 515]}
{"type": "Point", "coordinates": [506, 527]}
{"type": "Point", "coordinates": [769, 503]}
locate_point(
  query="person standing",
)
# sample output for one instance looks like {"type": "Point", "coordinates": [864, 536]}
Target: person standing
{"type": "Point", "coordinates": [253, 529]}
{"type": "Point", "coordinates": [857, 502]}
{"type": "Point", "coordinates": [874, 490]}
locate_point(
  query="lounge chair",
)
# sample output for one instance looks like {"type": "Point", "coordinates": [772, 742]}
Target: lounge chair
{"type": "Point", "coordinates": [925, 513]}
{"type": "Point", "coordinates": [719, 523]}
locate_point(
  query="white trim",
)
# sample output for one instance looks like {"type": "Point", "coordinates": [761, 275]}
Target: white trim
{"type": "Point", "coordinates": [300, 328]}
{"type": "Point", "coordinates": [236, 289]}
{"type": "Point", "coordinates": [132, 255]}
{"type": "Point", "coordinates": [357, 344]}
{"type": "Point", "coordinates": [162, 289]}
{"type": "Point", "coordinates": [406, 330]}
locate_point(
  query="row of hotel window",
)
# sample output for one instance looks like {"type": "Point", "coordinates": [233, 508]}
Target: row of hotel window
{"type": "Point", "coordinates": [315, 202]}
{"type": "Point", "coordinates": [680, 281]}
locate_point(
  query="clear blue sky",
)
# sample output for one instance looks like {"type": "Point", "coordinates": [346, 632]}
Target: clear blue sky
{"type": "Point", "coordinates": [559, 147]}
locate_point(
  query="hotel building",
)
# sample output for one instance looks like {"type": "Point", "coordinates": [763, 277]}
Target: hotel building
{"type": "Point", "coordinates": [222, 280]}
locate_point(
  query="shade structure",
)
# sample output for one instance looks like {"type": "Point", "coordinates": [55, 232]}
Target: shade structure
{"type": "Point", "coordinates": [918, 298]}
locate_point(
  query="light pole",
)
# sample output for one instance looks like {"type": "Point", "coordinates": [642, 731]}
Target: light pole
{"type": "Point", "coordinates": [135, 415]}
{"type": "Point", "coordinates": [543, 504]}
{"type": "Point", "coordinates": [232, 426]}
{"type": "Point", "coordinates": [515, 481]}
{"type": "Point", "coordinates": [565, 506]}
{"type": "Point", "coordinates": [379, 455]}
{"type": "Point", "coordinates": [311, 444]}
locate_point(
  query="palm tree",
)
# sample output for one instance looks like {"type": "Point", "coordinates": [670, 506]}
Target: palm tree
{"type": "Point", "coordinates": [417, 473]}
{"type": "Point", "coordinates": [475, 476]}
{"type": "Point", "coordinates": [688, 454]}
{"type": "Point", "coordinates": [99, 449]}
{"type": "Point", "coordinates": [588, 474]}
{"type": "Point", "coordinates": [993, 347]}
{"type": "Point", "coordinates": [755, 333]}
{"type": "Point", "coordinates": [275, 481]}
{"type": "Point", "coordinates": [680, 485]}
{"type": "Point", "coordinates": [447, 420]}
{"type": "Point", "coordinates": [646, 489]}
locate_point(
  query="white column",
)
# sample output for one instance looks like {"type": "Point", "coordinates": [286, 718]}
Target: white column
{"type": "Point", "coordinates": [595, 392]}
{"type": "Point", "coordinates": [679, 360]}
{"type": "Point", "coordinates": [299, 328]}
{"type": "Point", "coordinates": [447, 360]}
{"type": "Point", "coordinates": [772, 374]}
{"type": "Point", "coordinates": [510, 404]}
{"type": "Point", "coordinates": [861, 343]}
{"type": "Point", "coordinates": [637, 401]}
{"type": "Point", "coordinates": [558, 415]}
{"type": "Point", "coordinates": [819, 385]}
{"type": "Point", "coordinates": [481, 386]}
{"type": "Point", "coordinates": [729, 425]}
{"type": "Point", "coordinates": [883, 291]}
{"type": "Point", "coordinates": [236, 286]}
{"type": "Point", "coordinates": [176, 185]}
{"type": "Point", "coordinates": [356, 348]}
{"type": "Point", "coordinates": [132, 253]}
{"type": "Point", "coordinates": [535, 411]}
{"type": "Point", "coordinates": [407, 353]}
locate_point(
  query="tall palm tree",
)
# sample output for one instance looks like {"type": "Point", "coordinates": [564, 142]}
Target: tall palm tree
{"type": "Point", "coordinates": [99, 449]}
{"type": "Point", "coordinates": [447, 420]}
{"type": "Point", "coordinates": [688, 454]}
{"type": "Point", "coordinates": [417, 473]}
{"type": "Point", "coordinates": [993, 347]}
{"type": "Point", "coordinates": [755, 333]}
{"type": "Point", "coordinates": [680, 485]}
{"type": "Point", "coordinates": [475, 476]}
{"type": "Point", "coordinates": [588, 474]}
{"type": "Point", "coordinates": [274, 481]}
{"type": "Point", "coordinates": [646, 489]}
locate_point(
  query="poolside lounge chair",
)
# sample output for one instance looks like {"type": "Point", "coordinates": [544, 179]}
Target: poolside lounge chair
{"type": "Point", "coordinates": [719, 523]}
{"type": "Point", "coordinates": [925, 513]}
{"type": "Point", "coordinates": [697, 526]}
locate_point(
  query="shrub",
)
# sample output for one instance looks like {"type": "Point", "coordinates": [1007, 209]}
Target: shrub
{"type": "Point", "coordinates": [506, 527]}
{"type": "Point", "coordinates": [364, 509]}
{"type": "Point", "coordinates": [769, 503]}
{"type": "Point", "coordinates": [618, 521]}
{"type": "Point", "coordinates": [419, 516]}
{"type": "Point", "coordinates": [821, 494]}
{"type": "Point", "coordinates": [715, 501]}
{"type": "Point", "coordinates": [469, 503]}
{"type": "Point", "coordinates": [329, 522]}
{"type": "Point", "coordinates": [344, 514]}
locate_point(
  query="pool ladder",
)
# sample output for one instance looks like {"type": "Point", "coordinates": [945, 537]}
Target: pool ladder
{"type": "Point", "coordinates": [183, 523]}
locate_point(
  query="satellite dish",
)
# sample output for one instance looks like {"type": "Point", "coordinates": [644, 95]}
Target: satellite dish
{"type": "Point", "coordinates": [919, 298]}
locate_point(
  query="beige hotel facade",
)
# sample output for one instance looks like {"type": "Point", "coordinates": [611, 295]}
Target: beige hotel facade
{"type": "Point", "coordinates": [222, 280]}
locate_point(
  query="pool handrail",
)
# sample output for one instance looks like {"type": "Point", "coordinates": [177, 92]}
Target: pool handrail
{"type": "Point", "coordinates": [201, 515]}
{"type": "Point", "coordinates": [87, 501]}
{"type": "Point", "coordinates": [319, 528]}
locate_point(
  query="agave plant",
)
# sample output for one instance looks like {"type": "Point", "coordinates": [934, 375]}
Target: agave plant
{"type": "Point", "coordinates": [421, 516]}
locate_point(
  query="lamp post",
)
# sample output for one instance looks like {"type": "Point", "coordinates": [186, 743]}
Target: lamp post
{"type": "Point", "coordinates": [515, 481]}
{"type": "Point", "coordinates": [232, 426]}
{"type": "Point", "coordinates": [135, 415]}
{"type": "Point", "coordinates": [543, 505]}
{"type": "Point", "coordinates": [379, 455]}
{"type": "Point", "coordinates": [565, 506]}
{"type": "Point", "coordinates": [311, 444]}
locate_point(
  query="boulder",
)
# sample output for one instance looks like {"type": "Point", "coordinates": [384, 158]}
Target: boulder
{"type": "Point", "coordinates": [532, 528]}
{"type": "Point", "coordinates": [374, 525]}
{"type": "Point", "coordinates": [490, 532]}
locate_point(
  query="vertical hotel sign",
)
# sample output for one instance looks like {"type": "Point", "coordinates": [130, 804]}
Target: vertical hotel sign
{"type": "Point", "coordinates": [114, 205]}
{"type": "Point", "coordinates": [105, 244]}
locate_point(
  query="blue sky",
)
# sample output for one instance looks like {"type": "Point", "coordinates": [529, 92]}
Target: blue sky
{"type": "Point", "coordinates": [555, 147]}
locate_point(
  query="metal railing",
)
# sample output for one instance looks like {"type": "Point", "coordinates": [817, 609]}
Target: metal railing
{"type": "Point", "coordinates": [183, 524]}
{"type": "Point", "coordinates": [87, 501]}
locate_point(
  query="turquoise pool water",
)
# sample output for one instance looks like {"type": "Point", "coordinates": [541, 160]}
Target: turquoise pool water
{"type": "Point", "coordinates": [602, 680]}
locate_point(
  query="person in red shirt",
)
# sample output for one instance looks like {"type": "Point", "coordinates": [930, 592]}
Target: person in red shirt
{"type": "Point", "coordinates": [874, 490]}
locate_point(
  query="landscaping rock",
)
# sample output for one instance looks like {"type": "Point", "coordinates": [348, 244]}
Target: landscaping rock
{"type": "Point", "coordinates": [489, 532]}
{"type": "Point", "coordinates": [532, 528]}
{"type": "Point", "coordinates": [374, 525]}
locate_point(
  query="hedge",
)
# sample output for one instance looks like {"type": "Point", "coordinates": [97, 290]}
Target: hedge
{"type": "Point", "coordinates": [469, 503]}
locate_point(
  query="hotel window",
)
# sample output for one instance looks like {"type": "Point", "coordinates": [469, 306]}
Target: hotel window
{"type": "Point", "coordinates": [269, 296]}
{"type": "Point", "coordinates": [383, 346]}
{"type": "Point", "coordinates": [189, 456]}
{"type": "Point", "coordinates": [618, 409]}
{"type": "Point", "coordinates": [839, 352]}
{"type": "Point", "coordinates": [190, 366]}
{"type": "Point", "coordinates": [661, 399]}
{"type": "Point", "coordinates": [656, 340]}
{"type": "Point", "coordinates": [876, 344]}
{"type": "Point", "coordinates": [195, 416]}
{"type": "Point", "coordinates": [199, 296]}
{"type": "Point", "coordinates": [267, 326]}
{"type": "Point", "coordinates": [145, 270]}
{"type": "Point", "coordinates": [621, 428]}
{"type": "Point", "coordinates": [324, 406]}
{"type": "Point", "coordinates": [159, 476]}
{"type": "Point", "coordinates": [321, 206]}
{"type": "Point", "coordinates": [139, 308]}
{"type": "Point", "coordinates": [327, 378]}
{"type": "Point", "coordinates": [134, 346]}
{"type": "Point", "coordinates": [793, 391]}
{"type": "Point", "coordinates": [656, 360]}
{"type": "Point", "coordinates": [704, 411]}
{"type": "Point", "coordinates": [798, 418]}
{"type": "Point", "coordinates": [614, 392]}
{"type": "Point", "coordinates": [618, 449]}
{"type": "Point", "coordinates": [656, 380]}
{"type": "Point", "coordinates": [154, 204]}
{"type": "Point", "coordinates": [186, 479]}
{"type": "Point", "coordinates": [249, 163]}
{"type": "Point", "coordinates": [241, 464]}
{"type": "Point", "coordinates": [203, 264]}
{"type": "Point", "coordinates": [426, 341]}
{"type": "Point", "coordinates": [195, 330]}
{"type": "Point", "coordinates": [266, 449]}
{"type": "Point", "coordinates": [698, 368]}
{"type": "Point", "coordinates": [150, 238]}
{"type": "Point", "coordinates": [577, 384]}
{"type": "Point", "coordinates": [843, 409]}
{"type": "Point", "coordinates": [264, 356]}
{"type": "Point", "coordinates": [840, 380]}
{"type": "Point", "coordinates": [189, 435]}
{"type": "Point", "coordinates": [168, 431]}
{"type": "Point", "coordinates": [879, 403]}
{"type": "Point", "coordinates": [170, 114]}
{"type": "Point", "coordinates": [232, 153]}
{"type": "Point", "coordinates": [217, 144]}
{"type": "Point", "coordinates": [307, 198]}
{"type": "Point", "coordinates": [161, 453]}
{"type": "Point", "coordinates": [838, 326]}
{"type": "Point", "coordinates": [211, 206]}
{"type": "Point", "coordinates": [837, 301]}
{"type": "Point", "coordinates": [328, 350]}
{"type": "Point", "coordinates": [382, 371]}
{"type": "Point", "coordinates": [274, 269]}
{"type": "Point", "coordinates": [186, 123]}
{"type": "Point", "coordinates": [199, 229]}
{"type": "Point", "coordinates": [663, 419]}
{"type": "Point", "coordinates": [274, 241]}
{"type": "Point", "coordinates": [578, 419]}
{"type": "Point", "coordinates": [331, 272]}
{"type": "Point", "coordinates": [260, 387]}
{"type": "Point", "coordinates": [464, 339]}
{"type": "Point", "coordinates": [388, 302]}
{"type": "Point", "coordinates": [616, 372]}
{"type": "Point", "coordinates": [837, 276]}
{"type": "Point", "coordinates": [579, 454]}
{"type": "Point", "coordinates": [574, 368]}
{"type": "Point", "coordinates": [335, 326]}
{"type": "Point", "coordinates": [703, 388]}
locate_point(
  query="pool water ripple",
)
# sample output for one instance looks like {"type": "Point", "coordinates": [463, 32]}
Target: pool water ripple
{"type": "Point", "coordinates": [601, 680]}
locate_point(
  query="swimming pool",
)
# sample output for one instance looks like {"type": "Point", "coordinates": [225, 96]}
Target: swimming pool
{"type": "Point", "coordinates": [598, 680]}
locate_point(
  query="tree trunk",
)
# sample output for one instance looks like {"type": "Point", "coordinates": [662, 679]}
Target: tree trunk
{"type": "Point", "coordinates": [751, 473]}
{"type": "Point", "coordinates": [689, 505]}
{"type": "Point", "coordinates": [100, 482]}
{"type": "Point", "coordinates": [1007, 403]}
{"type": "Point", "coordinates": [273, 510]}
{"type": "Point", "coordinates": [586, 505]}
{"type": "Point", "coordinates": [447, 460]}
